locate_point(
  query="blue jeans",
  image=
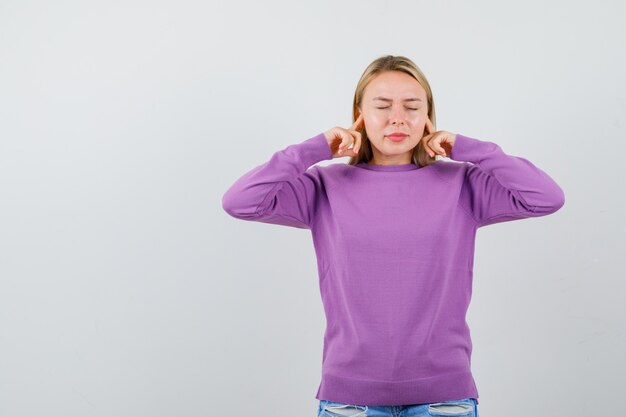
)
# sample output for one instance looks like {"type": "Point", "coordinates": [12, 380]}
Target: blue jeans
{"type": "Point", "coordinates": [466, 407]}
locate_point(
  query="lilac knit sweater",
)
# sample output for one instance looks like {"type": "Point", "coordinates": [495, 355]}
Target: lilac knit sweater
{"type": "Point", "coordinates": [395, 252]}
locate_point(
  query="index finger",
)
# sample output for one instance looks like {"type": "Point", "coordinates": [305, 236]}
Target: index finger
{"type": "Point", "coordinates": [357, 122]}
{"type": "Point", "coordinates": [429, 125]}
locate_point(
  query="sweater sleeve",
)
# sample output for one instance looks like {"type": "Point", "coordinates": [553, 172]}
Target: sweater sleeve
{"type": "Point", "coordinates": [500, 187]}
{"type": "Point", "coordinates": [282, 190]}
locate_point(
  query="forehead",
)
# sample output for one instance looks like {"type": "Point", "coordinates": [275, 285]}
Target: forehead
{"type": "Point", "coordinates": [395, 85]}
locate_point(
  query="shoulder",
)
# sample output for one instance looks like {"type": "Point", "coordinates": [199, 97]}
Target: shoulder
{"type": "Point", "coordinates": [333, 170]}
{"type": "Point", "coordinates": [449, 170]}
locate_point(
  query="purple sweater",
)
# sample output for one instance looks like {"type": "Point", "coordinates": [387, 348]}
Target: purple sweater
{"type": "Point", "coordinates": [395, 255]}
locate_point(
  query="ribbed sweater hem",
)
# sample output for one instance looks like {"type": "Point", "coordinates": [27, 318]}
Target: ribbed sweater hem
{"type": "Point", "coordinates": [385, 393]}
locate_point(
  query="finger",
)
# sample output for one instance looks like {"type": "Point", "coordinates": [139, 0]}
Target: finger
{"type": "Point", "coordinates": [349, 139]}
{"type": "Point", "coordinates": [425, 139]}
{"type": "Point", "coordinates": [346, 140]}
{"type": "Point", "coordinates": [447, 147]}
{"type": "Point", "coordinates": [426, 143]}
{"type": "Point", "coordinates": [336, 140]}
{"type": "Point", "coordinates": [429, 126]}
{"type": "Point", "coordinates": [441, 144]}
{"type": "Point", "coordinates": [357, 144]}
{"type": "Point", "coordinates": [435, 144]}
{"type": "Point", "coordinates": [355, 135]}
{"type": "Point", "coordinates": [356, 141]}
{"type": "Point", "coordinates": [357, 123]}
{"type": "Point", "coordinates": [429, 150]}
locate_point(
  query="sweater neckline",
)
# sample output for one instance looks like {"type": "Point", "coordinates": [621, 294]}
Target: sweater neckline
{"type": "Point", "coordinates": [398, 167]}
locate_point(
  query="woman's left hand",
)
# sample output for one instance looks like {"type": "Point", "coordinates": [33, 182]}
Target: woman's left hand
{"type": "Point", "coordinates": [439, 142]}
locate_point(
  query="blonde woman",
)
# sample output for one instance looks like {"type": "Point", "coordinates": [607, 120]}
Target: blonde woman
{"type": "Point", "coordinates": [394, 232]}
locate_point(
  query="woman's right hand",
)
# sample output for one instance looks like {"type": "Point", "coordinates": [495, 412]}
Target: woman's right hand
{"type": "Point", "coordinates": [339, 139]}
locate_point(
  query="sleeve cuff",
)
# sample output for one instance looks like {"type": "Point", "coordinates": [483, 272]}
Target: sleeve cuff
{"type": "Point", "coordinates": [470, 149]}
{"type": "Point", "coordinates": [315, 149]}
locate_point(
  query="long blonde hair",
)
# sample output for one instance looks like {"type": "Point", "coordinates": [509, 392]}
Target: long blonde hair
{"type": "Point", "coordinates": [379, 65]}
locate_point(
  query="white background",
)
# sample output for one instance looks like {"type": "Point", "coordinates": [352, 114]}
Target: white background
{"type": "Point", "coordinates": [126, 290]}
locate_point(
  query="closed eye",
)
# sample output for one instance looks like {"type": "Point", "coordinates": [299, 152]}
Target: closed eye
{"type": "Point", "coordinates": [410, 108]}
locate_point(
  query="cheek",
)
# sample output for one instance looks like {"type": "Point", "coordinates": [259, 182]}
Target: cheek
{"type": "Point", "coordinates": [418, 117]}
{"type": "Point", "coordinates": [374, 122]}
{"type": "Point", "coordinates": [368, 122]}
{"type": "Point", "coordinates": [418, 121]}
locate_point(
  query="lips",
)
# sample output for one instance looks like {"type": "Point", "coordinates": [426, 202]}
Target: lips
{"type": "Point", "coordinates": [397, 137]}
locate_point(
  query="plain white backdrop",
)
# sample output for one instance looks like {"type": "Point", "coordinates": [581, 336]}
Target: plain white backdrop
{"type": "Point", "coordinates": [126, 290]}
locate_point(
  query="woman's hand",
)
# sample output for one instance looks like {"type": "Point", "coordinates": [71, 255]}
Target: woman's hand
{"type": "Point", "coordinates": [339, 139]}
{"type": "Point", "coordinates": [440, 142]}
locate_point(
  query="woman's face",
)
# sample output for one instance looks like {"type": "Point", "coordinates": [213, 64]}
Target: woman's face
{"type": "Point", "coordinates": [394, 102]}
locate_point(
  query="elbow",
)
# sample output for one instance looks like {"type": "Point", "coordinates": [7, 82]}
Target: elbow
{"type": "Point", "coordinates": [553, 201]}
{"type": "Point", "coordinates": [238, 207]}
{"type": "Point", "coordinates": [559, 200]}
{"type": "Point", "coordinates": [230, 205]}
{"type": "Point", "coordinates": [227, 205]}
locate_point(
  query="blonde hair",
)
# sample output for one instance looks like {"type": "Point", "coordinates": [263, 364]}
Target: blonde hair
{"type": "Point", "coordinates": [379, 65]}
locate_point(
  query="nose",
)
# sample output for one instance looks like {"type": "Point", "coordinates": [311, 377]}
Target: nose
{"type": "Point", "coordinates": [397, 118]}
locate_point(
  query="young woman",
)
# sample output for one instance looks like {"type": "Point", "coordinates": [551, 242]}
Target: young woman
{"type": "Point", "coordinates": [394, 232]}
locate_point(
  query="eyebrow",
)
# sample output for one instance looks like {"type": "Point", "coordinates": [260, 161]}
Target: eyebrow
{"type": "Point", "coordinates": [389, 100]}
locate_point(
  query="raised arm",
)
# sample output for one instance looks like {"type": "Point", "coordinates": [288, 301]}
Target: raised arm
{"type": "Point", "coordinates": [282, 190]}
{"type": "Point", "coordinates": [500, 187]}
